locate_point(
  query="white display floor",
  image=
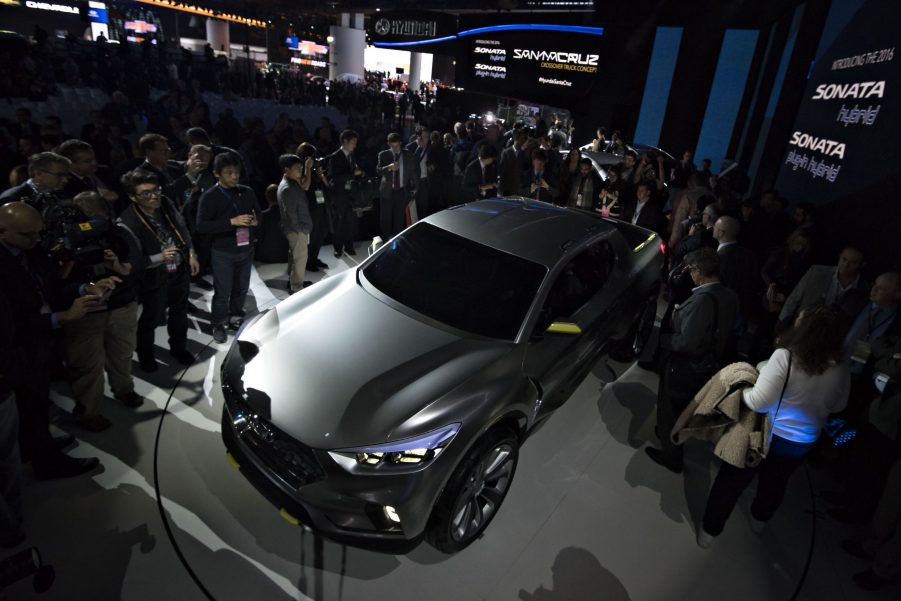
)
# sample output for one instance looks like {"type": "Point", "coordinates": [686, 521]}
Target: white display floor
{"type": "Point", "coordinates": [588, 517]}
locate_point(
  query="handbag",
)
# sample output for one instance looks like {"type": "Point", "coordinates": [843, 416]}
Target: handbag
{"type": "Point", "coordinates": [755, 456]}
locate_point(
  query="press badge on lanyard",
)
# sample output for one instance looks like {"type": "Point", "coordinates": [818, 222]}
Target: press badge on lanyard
{"type": "Point", "coordinates": [242, 236]}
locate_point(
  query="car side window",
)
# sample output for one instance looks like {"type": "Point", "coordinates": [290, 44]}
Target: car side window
{"type": "Point", "coordinates": [580, 280]}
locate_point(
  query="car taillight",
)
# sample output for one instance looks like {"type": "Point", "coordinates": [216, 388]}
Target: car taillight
{"type": "Point", "coordinates": [663, 248]}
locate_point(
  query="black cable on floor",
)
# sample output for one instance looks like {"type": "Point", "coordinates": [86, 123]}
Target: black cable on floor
{"type": "Point", "coordinates": [813, 535]}
{"type": "Point", "coordinates": [156, 484]}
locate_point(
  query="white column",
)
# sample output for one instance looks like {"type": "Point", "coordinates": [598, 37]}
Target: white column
{"type": "Point", "coordinates": [358, 21]}
{"type": "Point", "coordinates": [346, 52]}
{"type": "Point", "coordinates": [217, 34]}
{"type": "Point", "coordinates": [415, 71]}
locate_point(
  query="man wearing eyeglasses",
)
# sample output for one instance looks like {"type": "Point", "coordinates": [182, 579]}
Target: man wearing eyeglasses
{"type": "Point", "coordinates": [48, 173]}
{"type": "Point", "coordinates": [163, 261]}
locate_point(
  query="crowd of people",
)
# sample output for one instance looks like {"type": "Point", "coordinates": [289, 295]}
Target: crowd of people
{"type": "Point", "coordinates": [102, 234]}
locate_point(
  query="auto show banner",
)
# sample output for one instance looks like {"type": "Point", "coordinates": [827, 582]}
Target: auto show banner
{"type": "Point", "coordinates": [532, 62]}
{"type": "Point", "coordinates": [842, 152]}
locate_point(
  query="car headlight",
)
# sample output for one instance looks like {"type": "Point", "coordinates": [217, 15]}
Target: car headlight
{"type": "Point", "coordinates": [407, 452]}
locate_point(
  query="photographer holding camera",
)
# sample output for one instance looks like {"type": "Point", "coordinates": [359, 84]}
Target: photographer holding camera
{"type": "Point", "coordinates": [48, 173]}
{"type": "Point", "coordinates": [163, 261]}
{"type": "Point", "coordinates": [33, 288]}
{"type": "Point", "coordinates": [316, 193]}
{"type": "Point", "coordinates": [105, 338]}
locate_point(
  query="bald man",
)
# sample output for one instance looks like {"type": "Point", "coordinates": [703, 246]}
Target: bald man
{"type": "Point", "coordinates": [34, 292]}
{"type": "Point", "coordinates": [738, 269]}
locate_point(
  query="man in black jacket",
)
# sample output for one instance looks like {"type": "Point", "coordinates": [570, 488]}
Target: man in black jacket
{"type": "Point", "coordinates": [48, 173]}
{"type": "Point", "coordinates": [643, 210]}
{"type": "Point", "coordinates": [693, 349]}
{"type": "Point", "coordinates": [163, 260]}
{"type": "Point", "coordinates": [738, 269]}
{"type": "Point", "coordinates": [35, 293]}
{"type": "Point", "coordinates": [539, 182]}
{"type": "Point", "coordinates": [11, 533]}
{"type": "Point", "coordinates": [480, 176]}
{"type": "Point", "coordinates": [342, 170]}
{"type": "Point", "coordinates": [400, 176]}
{"type": "Point", "coordinates": [229, 213]}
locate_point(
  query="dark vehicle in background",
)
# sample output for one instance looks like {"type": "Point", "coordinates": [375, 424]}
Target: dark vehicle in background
{"type": "Point", "coordinates": [390, 401]}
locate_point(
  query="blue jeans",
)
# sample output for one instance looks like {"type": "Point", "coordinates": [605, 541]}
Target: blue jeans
{"type": "Point", "coordinates": [231, 280]}
{"type": "Point", "coordinates": [10, 469]}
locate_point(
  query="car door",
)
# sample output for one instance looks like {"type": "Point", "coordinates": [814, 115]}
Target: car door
{"type": "Point", "coordinates": [585, 291]}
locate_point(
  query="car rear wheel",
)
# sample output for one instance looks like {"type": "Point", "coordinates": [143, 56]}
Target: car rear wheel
{"type": "Point", "coordinates": [474, 492]}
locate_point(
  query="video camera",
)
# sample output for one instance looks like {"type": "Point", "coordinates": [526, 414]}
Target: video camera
{"type": "Point", "coordinates": [71, 236]}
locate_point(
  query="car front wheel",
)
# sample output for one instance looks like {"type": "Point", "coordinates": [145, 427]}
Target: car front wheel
{"type": "Point", "coordinates": [474, 492]}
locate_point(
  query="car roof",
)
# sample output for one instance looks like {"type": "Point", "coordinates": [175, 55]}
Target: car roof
{"type": "Point", "coordinates": [533, 230]}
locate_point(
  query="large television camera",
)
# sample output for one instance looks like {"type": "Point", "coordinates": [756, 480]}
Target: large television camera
{"type": "Point", "coordinates": [71, 236]}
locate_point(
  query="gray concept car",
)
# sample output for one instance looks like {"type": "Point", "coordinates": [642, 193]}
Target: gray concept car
{"type": "Point", "coordinates": [390, 401]}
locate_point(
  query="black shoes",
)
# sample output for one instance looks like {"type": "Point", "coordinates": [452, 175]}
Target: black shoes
{"type": "Point", "coordinates": [338, 254]}
{"type": "Point", "coordinates": [182, 356]}
{"type": "Point", "coordinates": [219, 334]}
{"type": "Point", "coordinates": [306, 283]}
{"type": "Point", "coordinates": [312, 268]}
{"type": "Point", "coordinates": [235, 323]}
{"type": "Point", "coordinates": [661, 458]}
{"type": "Point", "coordinates": [61, 442]}
{"type": "Point", "coordinates": [147, 363]}
{"type": "Point", "coordinates": [321, 264]}
{"type": "Point", "coordinates": [350, 250]}
{"type": "Point", "coordinates": [65, 467]}
{"type": "Point", "coordinates": [131, 399]}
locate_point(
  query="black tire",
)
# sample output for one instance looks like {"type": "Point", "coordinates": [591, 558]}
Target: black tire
{"type": "Point", "coordinates": [472, 497]}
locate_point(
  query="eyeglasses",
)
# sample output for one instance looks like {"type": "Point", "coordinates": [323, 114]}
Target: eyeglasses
{"type": "Point", "coordinates": [148, 194]}
{"type": "Point", "coordinates": [56, 173]}
{"type": "Point", "coordinates": [693, 268]}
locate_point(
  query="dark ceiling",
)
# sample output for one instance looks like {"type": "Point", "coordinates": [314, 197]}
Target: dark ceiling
{"type": "Point", "coordinates": [737, 13]}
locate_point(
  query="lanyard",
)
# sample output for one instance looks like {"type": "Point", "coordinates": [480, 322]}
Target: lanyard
{"type": "Point", "coordinates": [143, 218]}
{"type": "Point", "coordinates": [228, 195]}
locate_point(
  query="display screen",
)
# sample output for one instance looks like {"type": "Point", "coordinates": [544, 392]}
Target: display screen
{"type": "Point", "coordinates": [841, 153]}
{"type": "Point", "coordinates": [536, 65]}
{"type": "Point", "coordinates": [140, 27]}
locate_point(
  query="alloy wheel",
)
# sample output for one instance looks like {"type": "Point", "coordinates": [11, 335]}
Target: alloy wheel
{"type": "Point", "coordinates": [484, 488]}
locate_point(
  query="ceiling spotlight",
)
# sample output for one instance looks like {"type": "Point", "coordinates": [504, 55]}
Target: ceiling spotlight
{"type": "Point", "coordinates": [330, 39]}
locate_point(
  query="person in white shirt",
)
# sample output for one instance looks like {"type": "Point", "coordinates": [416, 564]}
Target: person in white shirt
{"type": "Point", "coordinates": [799, 386]}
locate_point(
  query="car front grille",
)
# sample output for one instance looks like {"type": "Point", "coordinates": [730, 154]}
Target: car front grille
{"type": "Point", "coordinates": [288, 459]}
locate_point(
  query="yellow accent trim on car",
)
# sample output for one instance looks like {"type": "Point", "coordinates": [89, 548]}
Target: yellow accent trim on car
{"type": "Point", "coordinates": [645, 243]}
{"type": "Point", "coordinates": [560, 327]}
{"type": "Point", "coordinates": [232, 461]}
{"type": "Point", "coordinates": [288, 517]}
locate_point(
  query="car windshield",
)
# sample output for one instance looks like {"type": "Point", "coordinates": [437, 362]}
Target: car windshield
{"type": "Point", "coordinates": [456, 281]}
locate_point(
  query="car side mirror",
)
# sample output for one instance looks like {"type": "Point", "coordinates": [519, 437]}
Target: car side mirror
{"type": "Point", "coordinates": [563, 327]}
{"type": "Point", "coordinates": [375, 245]}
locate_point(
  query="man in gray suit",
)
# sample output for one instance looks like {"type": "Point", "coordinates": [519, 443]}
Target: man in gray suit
{"type": "Point", "coordinates": [841, 285]}
{"type": "Point", "coordinates": [400, 173]}
{"type": "Point", "coordinates": [693, 349]}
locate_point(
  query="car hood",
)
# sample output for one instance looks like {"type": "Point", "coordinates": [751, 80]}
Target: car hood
{"type": "Point", "coordinates": [338, 368]}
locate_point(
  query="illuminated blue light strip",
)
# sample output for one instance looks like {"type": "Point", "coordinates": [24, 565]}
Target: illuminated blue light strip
{"type": "Point", "coordinates": [658, 84]}
{"type": "Point", "coordinates": [726, 92]}
{"type": "Point", "coordinates": [417, 43]}
{"type": "Point", "coordinates": [535, 27]}
{"type": "Point", "coordinates": [496, 28]}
